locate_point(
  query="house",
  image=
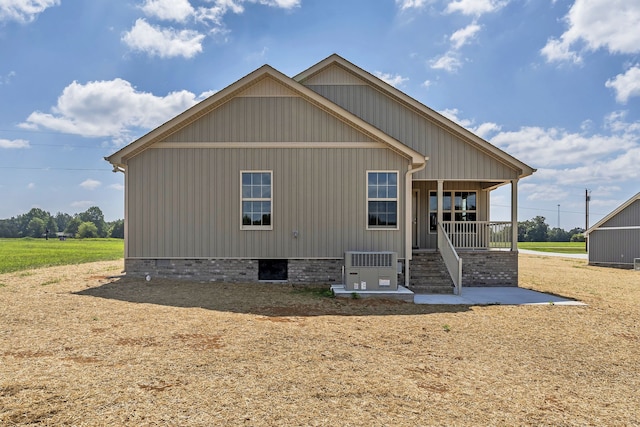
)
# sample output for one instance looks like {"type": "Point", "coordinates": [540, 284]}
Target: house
{"type": "Point", "coordinates": [275, 178]}
{"type": "Point", "coordinates": [614, 241]}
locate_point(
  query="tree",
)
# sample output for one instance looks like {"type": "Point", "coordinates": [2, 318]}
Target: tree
{"type": "Point", "coordinates": [87, 230]}
{"type": "Point", "coordinates": [62, 219]}
{"type": "Point", "coordinates": [558, 235]}
{"type": "Point", "coordinates": [52, 225]}
{"type": "Point", "coordinates": [95, 215]}
{"type": "Point", "coordinates": [117, 229]}
{"type": "Point", "coordinates": [72, 226]}
{"type": "Point", "coordinates": [25, 219]}
{"type": "Point", "coordinates": [534, 230]}
{"type": "Point", "coordinates": [35, 228]}
{"type": "Point", "coordinates": [9, 228]}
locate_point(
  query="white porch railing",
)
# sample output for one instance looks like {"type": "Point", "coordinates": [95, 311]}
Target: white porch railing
{"type": "Point", "coordinates": [478, 234]}
{"type": "Point", "coordinates": [451, 259]}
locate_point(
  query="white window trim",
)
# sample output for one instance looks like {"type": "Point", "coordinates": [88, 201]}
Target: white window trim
{"type": "Point", "coordinates": [396, 199]}
{"type": "Point", "coordinates": [452, 211]}
{"type": "Point", "coordinates": [256, 227]}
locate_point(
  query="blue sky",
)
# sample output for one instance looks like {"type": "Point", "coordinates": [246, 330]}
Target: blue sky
{"type": "Point", "coordinates": [554, 83]}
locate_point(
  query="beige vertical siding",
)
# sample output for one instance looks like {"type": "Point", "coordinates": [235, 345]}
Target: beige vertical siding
{"type": "Point", "coordinates": [450, 157]}
{"type": "Point", "coordinates": [186, 202]}
{"type": "Point", "coordinates": [268, 119]}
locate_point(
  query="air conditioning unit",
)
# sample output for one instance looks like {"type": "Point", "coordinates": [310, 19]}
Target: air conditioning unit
{"type": "Point", "coordinates": [370, 271]}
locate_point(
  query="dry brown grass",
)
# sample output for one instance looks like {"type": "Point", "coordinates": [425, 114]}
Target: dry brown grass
{"type": "Point", "coordinates": [79, 349]}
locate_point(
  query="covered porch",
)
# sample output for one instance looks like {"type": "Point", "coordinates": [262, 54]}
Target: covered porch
{"type": "Point", "coordinates": [463, 209]}
{"type": "Point", "coordinates": [451, 221]}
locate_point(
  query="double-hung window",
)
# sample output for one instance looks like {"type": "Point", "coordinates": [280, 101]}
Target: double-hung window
{"type": "Point", "coordinates": [459, 206]}
{"type": "Point", "coordinates": [256, 200]}
{"type": "Point", "coordinates": [382, 200]}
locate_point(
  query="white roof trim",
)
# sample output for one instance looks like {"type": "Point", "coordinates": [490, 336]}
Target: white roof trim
{"type": "Point", "coordinates": [612, 214]}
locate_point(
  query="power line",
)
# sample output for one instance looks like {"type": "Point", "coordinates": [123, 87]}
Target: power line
{"type": "Point", "coordinates": [55, 169]}
{"type": "Point", "coordinates": [545, 210]}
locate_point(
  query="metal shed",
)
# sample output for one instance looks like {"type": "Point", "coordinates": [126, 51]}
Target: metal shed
{"type": "Point", "coordinates": [615, 240]}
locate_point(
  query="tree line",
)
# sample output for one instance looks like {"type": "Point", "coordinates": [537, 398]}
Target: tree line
{"type": "Point", "coordinates": [537, 230]}
{"type": "Point", "coordinates": [40, 223]}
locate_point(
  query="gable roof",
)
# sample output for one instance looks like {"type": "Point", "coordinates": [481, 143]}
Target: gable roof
{"type": "Point", "coordinates": [613, 214]}
{"type": "Point", "coordinates": [118, 159]}
{"type": "Point", "coordinates": [421, 109]}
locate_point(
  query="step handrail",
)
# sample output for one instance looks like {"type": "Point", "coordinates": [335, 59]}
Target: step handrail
{"type": "Point", "coordinates": [451, 259]}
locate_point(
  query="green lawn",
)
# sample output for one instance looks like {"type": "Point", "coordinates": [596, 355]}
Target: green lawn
{"type": "Point", "coordinates": [561, 247]}
{"type": "Point", "coordinates": [22, 254]}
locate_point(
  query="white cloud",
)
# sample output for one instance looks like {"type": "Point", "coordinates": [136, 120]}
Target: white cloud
{"type": "Point", "coordinates": [426, 83]}
{"type": "Point", "coordinates": [447, 62]}
{"type": "Point", "coordinates": [15, 143]}
{"type": "Point", "coordinates": [556, 147]}
{"type": "Point", "coordinates": [118, 187]}
{"type": "Point", "coordinates": [464, 35]}
{"type": "Point", "coordinates": [393, 80]}
{"type": "Point", "coordinates": [5, 80]}
{"type": "Point", "coordinates": [24, 10]}
{"type": "Point", "coordinates": [475, 7]}
{"type": "Point", "coordinates": [452, 114]}
{"type": "Point", "coordinates": [608, 24]}
{"type": "Point", "coordinates": [284, 4]}
{"type": "Point", "coordinates": [90, 184]}
{"type": "Point", "coordinates": [169, 10]}
{"type": "Point", "coordinates": [626, 85]}
{"type": "Point", "coordinates": [411, 4]}
{"type": "Point", "coordinates": [31, 186]}
{"type": "Point", "coordinates": [163, 42]}
{"type": "Point", "coordinates": [112, 108]}
{"type": "Point", "coordinates": [483, 130]}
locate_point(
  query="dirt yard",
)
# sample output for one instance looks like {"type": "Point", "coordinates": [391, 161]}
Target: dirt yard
{"type": "Point", "coordinates": [78, 348]}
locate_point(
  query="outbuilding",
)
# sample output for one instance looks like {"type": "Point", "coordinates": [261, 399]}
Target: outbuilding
{"type": "Point", "coordinates": [615, 240]}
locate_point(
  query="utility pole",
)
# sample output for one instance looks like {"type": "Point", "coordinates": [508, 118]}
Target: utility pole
{"type": "Point", "coordinates": [558, 216]}
{"type": "Point", "coordinates": [587, 199]}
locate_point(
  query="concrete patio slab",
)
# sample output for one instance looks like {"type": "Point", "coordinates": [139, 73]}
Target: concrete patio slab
{"type": "Point", "coordinates": [495, 295]}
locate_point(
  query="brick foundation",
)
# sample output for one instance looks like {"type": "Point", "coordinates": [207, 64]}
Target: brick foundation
{"type": "Point", "coordinates": [300, 271]}
{"type": "Point", "coordinates": [489, 268]}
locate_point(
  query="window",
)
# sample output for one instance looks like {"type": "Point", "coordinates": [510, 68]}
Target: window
{"type": "Point", "coordinates": [382, 199]}
{"type": "Point", "coordinates": [459, 206]}
{"type": "Point", "coordinates": [256, 200]}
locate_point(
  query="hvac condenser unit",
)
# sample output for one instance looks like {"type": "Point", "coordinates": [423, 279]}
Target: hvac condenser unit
{"type": "Point", "coordinates": [370, 271]}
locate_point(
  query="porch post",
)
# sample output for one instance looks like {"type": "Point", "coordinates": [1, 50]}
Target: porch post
{"type": "Point", "coordinates": [440, 199]}
{"type": "Point", "coordinates": [514, 215]}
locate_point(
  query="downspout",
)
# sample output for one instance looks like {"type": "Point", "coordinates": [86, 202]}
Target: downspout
{"type": "Point", "coordinates": [408, 250]}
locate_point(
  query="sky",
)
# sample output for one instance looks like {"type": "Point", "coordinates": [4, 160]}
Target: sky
{"type": "Point", "coordinates": [554, 83]}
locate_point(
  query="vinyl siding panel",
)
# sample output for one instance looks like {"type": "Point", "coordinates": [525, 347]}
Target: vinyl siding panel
{"type": "Point", "coordinates": [629, 216]}
{"type": "Point", "coordinates": [451, 157]}
{"type": "Point", "coordinates": [185, 203]}
{"type": "Point", "coordinates": [614, 246]}
{"type": "Point", "coordinates": [268, 119]}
